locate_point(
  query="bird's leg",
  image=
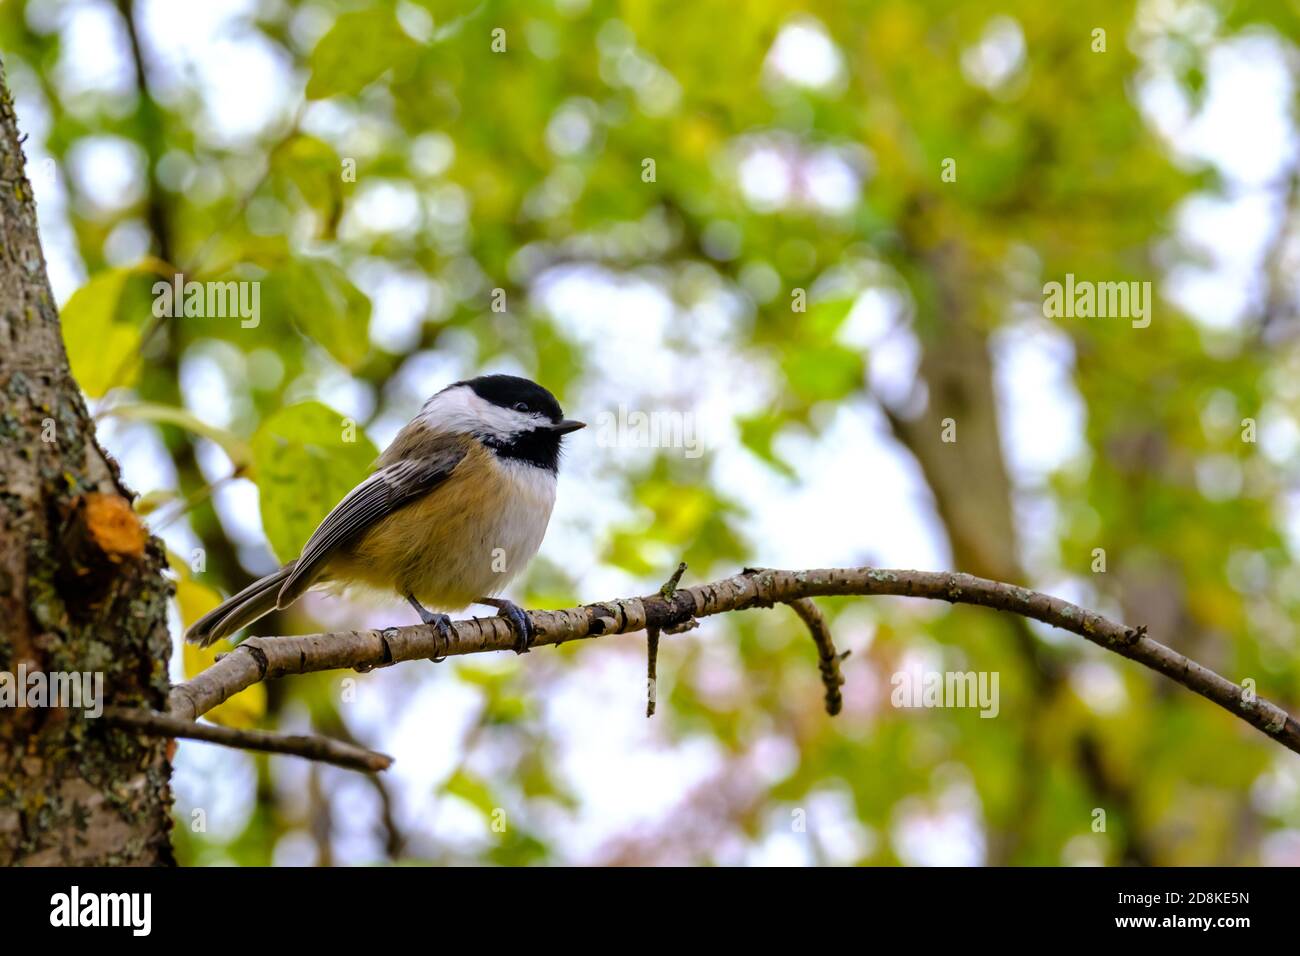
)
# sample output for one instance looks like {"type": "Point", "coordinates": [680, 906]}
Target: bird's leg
{"type": "Point", "coordinates": [518, 619]}
{"type": "Point", "coordinates": [440, 621]}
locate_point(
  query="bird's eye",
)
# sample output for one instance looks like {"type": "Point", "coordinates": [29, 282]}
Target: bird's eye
{"type": "Point", "coordinates": [520, 406]}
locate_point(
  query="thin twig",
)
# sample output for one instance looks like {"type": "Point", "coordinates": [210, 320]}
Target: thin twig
{"type": "Point", "coordinates": [652, 642]}
{"type": "Point", "coordinates": [261, 658]}
{"type": "Point", "coordinates": [828, 661]}
{"type": "Point", "coordinates": [670, 586]}
{"type": "Point", "coordinates": [193, 500]}
{"type": "Point", "coordinates": [311, 747]}
{"type": "Point", "coordinates": [651, 668]}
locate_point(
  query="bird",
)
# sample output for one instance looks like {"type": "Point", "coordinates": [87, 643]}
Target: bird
{"type": "Point", "coordinates": [451, 512]}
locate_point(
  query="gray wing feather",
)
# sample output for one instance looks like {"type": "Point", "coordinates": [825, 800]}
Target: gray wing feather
{"type": "Point", "coordinates": [378, 496]}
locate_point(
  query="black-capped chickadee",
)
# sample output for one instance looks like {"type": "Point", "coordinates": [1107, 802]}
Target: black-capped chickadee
{"type": "Point", "coordinates": [455, 507]}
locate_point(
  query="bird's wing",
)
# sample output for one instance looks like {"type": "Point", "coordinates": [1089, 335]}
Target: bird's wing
{"type": "Point", "coordinates": [388, 489]}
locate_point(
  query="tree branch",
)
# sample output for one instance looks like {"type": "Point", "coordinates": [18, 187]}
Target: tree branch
{"type": "Point", "coordinates": [828, 662]}
{"type": "Point", "coordinates": [652, 642]}
{"type": "Point", "coordinates": [313, 748]}
{"type": "Point", "coordinates": [262, 658]}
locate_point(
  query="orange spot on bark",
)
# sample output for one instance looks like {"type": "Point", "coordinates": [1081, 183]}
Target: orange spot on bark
{"type": "Point", "coordinates": [114, 527]}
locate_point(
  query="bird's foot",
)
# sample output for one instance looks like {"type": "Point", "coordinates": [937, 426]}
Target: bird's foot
{"type": "Point", "coordinates": [519, 621]}
{"type": "Point", "coordinates": [440, 622]}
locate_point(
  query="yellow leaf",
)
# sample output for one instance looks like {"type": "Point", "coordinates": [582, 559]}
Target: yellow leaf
{"type": "Point", "coordinates": [247, 707]}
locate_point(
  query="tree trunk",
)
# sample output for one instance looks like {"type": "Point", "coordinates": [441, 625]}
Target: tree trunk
{"type": "Point", "coordinates": [81, 587]}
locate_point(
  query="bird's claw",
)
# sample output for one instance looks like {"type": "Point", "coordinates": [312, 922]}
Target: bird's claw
{"type": "Point", "coordinates": [440, 622]}
{"type": "Point", "coordinates": [520, 624]}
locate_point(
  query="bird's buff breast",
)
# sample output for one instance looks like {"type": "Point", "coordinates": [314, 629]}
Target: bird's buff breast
{"type": "Point", "coordinates": [464, 540]}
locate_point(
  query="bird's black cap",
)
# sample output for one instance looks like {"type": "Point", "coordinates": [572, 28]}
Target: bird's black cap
{"type": "Point", "coordinates": [538, 444]}
{"type": "Point", "coordinates": [510, 391]}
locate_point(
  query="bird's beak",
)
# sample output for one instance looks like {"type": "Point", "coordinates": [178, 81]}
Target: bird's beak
{"type": "Point", "coordinates": [567, 425]}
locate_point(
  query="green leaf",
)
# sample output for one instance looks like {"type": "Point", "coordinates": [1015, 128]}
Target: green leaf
{"type": "Point", "coordinates": [758, 433]}
{"type": "Point", "coordinates": [101, 329]}
{"type": "Point", "coordinates": [315, 170]}
{"type": "Point", "coordinates": [823, 373]}
{"type": "Point", "coordinates": [824, 318]}
{"type": "Point", "coordinates": [472, 790]}
{"type": "Point", "coordinates": [303, 465]}
{"type": "Point", "coordinates": [356, 51]}
{"type": "Point", "coordinates": [319, 298]}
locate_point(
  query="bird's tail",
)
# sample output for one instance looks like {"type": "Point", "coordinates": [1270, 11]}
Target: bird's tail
{"type": "Point", "coordinates": [256, 600]}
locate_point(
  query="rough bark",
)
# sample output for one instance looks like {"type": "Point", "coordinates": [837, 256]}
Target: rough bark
{"type": "Point", "coordinates": [81, 586]}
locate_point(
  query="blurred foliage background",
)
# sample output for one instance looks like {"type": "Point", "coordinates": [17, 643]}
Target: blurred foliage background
{"type": "Point", "coordinates": [649, 188]}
